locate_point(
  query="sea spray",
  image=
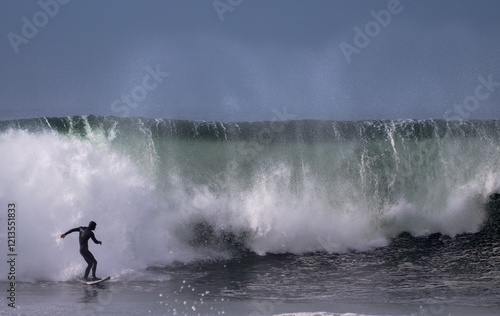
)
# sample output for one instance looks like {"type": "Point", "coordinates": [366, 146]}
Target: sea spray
{"type": "Point", "coordinates": [165, 191]}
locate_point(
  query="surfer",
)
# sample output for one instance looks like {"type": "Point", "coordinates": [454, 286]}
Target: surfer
{"type": "Point", "coordinates": [85, 234]}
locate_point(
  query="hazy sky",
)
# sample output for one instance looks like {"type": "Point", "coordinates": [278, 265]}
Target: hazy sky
{"type": "Point", "coordinates": [234, 60]}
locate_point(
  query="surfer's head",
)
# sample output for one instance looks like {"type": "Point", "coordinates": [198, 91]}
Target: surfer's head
{"type": "Point", "coordinates": [92, 225]}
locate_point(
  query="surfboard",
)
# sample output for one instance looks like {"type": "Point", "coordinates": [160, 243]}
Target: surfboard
{"type": "Point", "coordinates": [97, 281]}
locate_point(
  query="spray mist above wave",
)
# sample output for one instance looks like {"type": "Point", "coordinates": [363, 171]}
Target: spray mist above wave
{"type": "Point", "coordinates": [163, 191]}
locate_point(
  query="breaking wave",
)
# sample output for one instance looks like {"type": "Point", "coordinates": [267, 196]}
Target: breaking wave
{"type": "Point", "coordinates": [165, 191]}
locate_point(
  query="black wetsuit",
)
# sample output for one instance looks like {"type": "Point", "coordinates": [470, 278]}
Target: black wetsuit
{"type": "Point", "coordinates": [85, 234]}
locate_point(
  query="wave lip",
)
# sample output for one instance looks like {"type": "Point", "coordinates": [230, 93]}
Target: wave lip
{"type": "Point", "coordinates": [295, 130]}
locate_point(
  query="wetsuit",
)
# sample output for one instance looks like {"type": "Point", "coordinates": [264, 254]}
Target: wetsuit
{"type": "Point", "coordinates": [85, 234]}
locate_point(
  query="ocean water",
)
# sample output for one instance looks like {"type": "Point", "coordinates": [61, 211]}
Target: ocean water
{"type": "Point", "coordinates": [253, 218]}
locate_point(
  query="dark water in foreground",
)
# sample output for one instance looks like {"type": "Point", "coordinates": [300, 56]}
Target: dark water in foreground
{"type": "Point", "coordinates": [434, 275]}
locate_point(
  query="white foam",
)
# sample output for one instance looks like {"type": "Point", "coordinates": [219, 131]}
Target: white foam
{"type": "Point", "coordinates": [59, 183]}
{"type": "Point", "coordinates": [144, 213]}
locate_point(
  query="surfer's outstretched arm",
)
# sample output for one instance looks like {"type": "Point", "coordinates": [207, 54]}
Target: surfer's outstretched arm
{"type": "Point", "coordinates": [95, 240]}
{"type": "Point", "coordinates": [70, 231]}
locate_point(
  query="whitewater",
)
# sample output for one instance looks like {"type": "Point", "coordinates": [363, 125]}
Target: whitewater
{"type": "Point", "coordinates": [169, 191]}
